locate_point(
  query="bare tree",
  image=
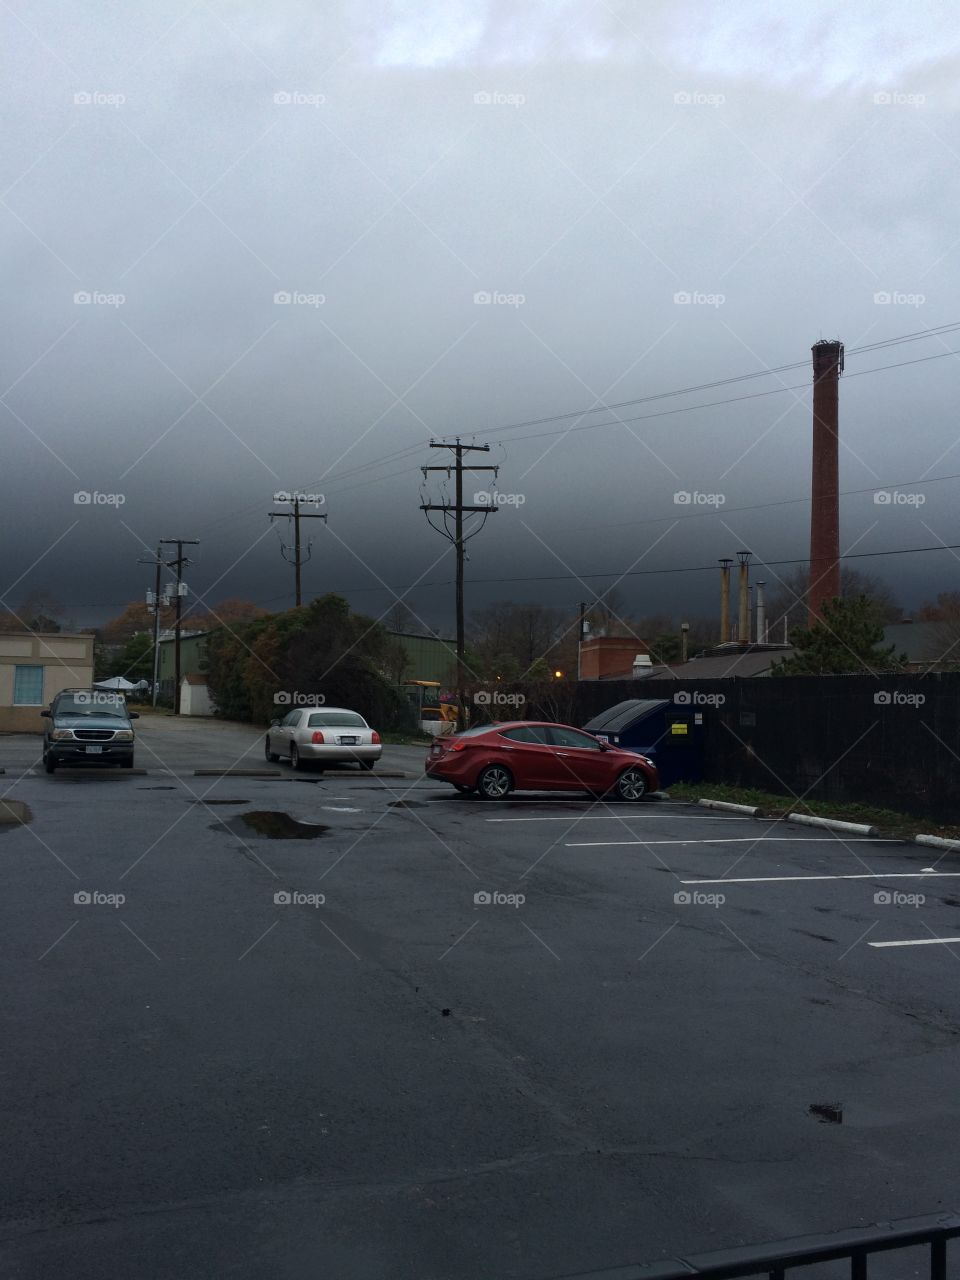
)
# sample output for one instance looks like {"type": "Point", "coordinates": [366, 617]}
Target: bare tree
{"type": "Point", "coordinates": [788, 597]}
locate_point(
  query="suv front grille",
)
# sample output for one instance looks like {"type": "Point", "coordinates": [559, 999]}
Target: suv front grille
{"type": "Point", "coordinates": [93, 735]}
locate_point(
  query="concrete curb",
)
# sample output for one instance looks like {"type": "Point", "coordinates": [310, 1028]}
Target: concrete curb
{"type": "Point", "coordinates": [938, 842]}
{"type": "Point", "coordinates": [833, 824]}
{"type": "Point", "coordinates": [728, 807]}
{"type": "Point", "coordinates": [108, 774]}
{"type": "Point", "coordinates": [237, 773]}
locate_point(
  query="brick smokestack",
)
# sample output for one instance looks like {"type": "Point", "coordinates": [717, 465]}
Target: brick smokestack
{"type": "Point", "coordinates": [825, 486]}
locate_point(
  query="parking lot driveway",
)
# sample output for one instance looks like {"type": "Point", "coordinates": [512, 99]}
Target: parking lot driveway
{"type": "Point", "coordinates": [427, 1036]}
{"type": "Point", "coordinates": [180, 744]}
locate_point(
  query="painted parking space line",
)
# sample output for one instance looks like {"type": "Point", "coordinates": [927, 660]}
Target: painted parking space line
{"type": "Point", "coordinates": [915, 942]}
{"type": "Point", "coordinates": [608, 844]}
{"type": "Point", "coordinates": [875, 875]}
{"type": "Point", "coordinates": [620, 817]}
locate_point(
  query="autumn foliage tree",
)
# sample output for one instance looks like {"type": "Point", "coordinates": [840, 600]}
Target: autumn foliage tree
{"type": "Point", "coordinates": [260, 669]}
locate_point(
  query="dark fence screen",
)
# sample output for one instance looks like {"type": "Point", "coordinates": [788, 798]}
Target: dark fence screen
{"type": "Point", "coordinates": [892, 741]}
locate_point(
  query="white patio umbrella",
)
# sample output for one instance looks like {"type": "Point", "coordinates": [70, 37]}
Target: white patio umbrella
{"type": "Point", "coordinates": [115, 682]}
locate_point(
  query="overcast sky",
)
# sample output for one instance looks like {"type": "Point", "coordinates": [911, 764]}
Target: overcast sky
{"type": "Point", "coordinates": [381, 164]}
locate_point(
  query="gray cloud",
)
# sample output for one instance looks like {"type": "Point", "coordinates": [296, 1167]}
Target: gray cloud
{"type": "Point", "coordinates": [611, 169]}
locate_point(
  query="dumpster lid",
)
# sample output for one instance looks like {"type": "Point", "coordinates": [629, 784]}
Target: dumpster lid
{"type": "Point", "coordinates": [624, 715]}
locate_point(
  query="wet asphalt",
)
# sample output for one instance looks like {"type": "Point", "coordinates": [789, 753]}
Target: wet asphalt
{"type": "Point", "coordinates": [359, 1027]}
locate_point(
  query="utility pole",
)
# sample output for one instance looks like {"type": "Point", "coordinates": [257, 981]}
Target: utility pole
{"type": "Point", "coordinates": [298, 515]}
{"type": "Point", "coordinates": [743, 613]}
{"type": "Point", "coordinates": [178, 564]}
{"type": "Point", "coordinates": [583, 630]}
{"type": "Point", "coordinates": [158, 561]}
{"type": "Point", "coordinates": [457, 538]}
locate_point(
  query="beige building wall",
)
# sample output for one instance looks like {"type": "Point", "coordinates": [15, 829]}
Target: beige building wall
{"type": "Point", "coordinates": [67, 662]}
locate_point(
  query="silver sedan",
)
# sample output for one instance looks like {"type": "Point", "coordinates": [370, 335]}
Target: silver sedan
{"type": "Point", "coordinates": [322, 735]}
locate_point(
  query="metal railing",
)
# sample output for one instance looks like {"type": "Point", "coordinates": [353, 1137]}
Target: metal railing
{"type": "Point", "coordinates": [774, 1261]}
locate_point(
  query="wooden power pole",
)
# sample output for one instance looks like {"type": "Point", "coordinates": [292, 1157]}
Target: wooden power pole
{"type": "Point", "coordinates": [298, 559]}
{"type": "Point", "coordinates": [458, 508]}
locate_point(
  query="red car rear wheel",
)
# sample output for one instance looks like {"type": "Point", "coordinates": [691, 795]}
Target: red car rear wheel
{"type": "Point", "coordinates": [495, 782]}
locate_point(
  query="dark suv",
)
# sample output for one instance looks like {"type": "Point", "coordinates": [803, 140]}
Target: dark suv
{"type": "Point", "coordinates": [88, 725]}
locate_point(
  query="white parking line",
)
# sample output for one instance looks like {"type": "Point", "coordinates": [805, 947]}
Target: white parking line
{"type": "Point", "coordinates": [876, 875]}
{"type": "Point", "coordinates": [914, 942]}
{"type": "Point", "coordinates": [607, 844]}
{"type": "Point", "coordinates": [619, 817]}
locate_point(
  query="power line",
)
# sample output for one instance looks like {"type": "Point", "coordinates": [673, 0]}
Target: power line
{"type": "Point", "coordinates": [410, 450]}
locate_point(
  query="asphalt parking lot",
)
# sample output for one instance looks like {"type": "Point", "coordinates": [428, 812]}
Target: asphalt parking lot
{"type": "Point", "coordinates": [423, 1035]}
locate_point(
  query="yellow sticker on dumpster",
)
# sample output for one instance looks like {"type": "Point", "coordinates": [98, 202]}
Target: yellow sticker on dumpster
{"type": "Point", "coordinates": [678, 728]}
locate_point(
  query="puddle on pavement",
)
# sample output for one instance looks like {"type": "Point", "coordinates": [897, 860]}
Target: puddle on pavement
{"type": "Point", "coordinates": [827, 1112]}
{"type": "Point", "coordinates": [156, 788]}
{"type": "Point", "coordinates": [272, 825]}
{"type": "Point", "coordinates": [405, 804]}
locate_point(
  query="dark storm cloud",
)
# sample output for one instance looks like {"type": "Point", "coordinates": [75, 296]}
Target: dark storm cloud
{"type": "Point", "coordinates": [381, 166]}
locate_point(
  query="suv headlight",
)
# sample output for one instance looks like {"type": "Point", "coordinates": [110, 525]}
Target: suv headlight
{"type": "Point", "coordinates": [59, 734]}
{"type": "Point", "coordinates": [123, 735]}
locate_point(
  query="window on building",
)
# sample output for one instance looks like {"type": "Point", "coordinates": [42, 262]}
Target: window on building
{"type": "Point", "coordinates": [28, 686]}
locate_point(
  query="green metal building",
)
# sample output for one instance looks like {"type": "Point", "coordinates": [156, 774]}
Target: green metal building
{"type": "Point", "coordinates": [428, 658]}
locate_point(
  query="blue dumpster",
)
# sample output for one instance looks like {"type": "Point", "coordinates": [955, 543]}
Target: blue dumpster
{"type": "Point", "coordinates": [670, 734]}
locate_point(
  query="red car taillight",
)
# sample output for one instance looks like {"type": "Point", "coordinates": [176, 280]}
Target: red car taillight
{"type": "Point", "coordinates": [456, 745]}
{"type": "Point", "coordinates": [316, 737]}
{"type": "Point", "coordinates": [375, 739]}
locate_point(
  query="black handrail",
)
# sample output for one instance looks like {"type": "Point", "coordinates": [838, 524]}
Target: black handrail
{"type": "Point", "coordinates": [774, 1260]}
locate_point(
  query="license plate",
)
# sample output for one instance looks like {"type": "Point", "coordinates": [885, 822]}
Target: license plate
{"type": "Point", "coordinates": [94, 751]}
{"type": "Point", "coordinates": [348, 742]}
{"type": "Point", "coordinates": [435, 749]}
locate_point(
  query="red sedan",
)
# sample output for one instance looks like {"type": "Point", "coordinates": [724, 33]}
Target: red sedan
{"type": "Point", "coordinates": [523, 755]}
